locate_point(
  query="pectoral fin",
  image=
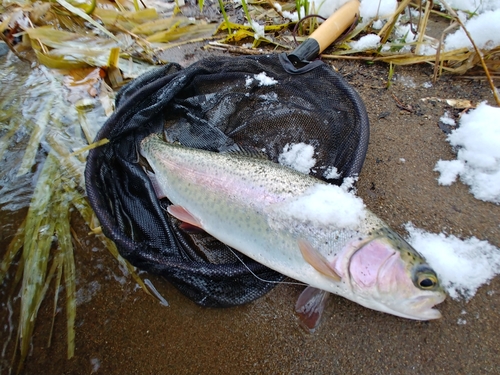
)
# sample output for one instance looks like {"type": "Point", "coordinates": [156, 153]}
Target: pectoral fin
{"type": "Point", "coordinates": [191, 229]}
{"type": "Point", "coordinates": [318, 261]}
{"type": "Point", "coordinates": [183, 215]}
{"type": "Point", "coordinates": [310, 306]}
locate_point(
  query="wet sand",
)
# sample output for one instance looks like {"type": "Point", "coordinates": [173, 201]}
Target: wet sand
{"type": "Point", "coordinates": [121, 330]}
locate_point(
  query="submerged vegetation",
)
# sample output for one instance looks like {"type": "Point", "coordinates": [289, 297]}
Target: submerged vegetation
{"type": "Point", "coordinates": [80, 52]}
{"type": "Point", "coordinates": [42, 141]}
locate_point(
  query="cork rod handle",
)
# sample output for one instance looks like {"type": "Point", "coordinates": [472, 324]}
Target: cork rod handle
{"type": "Point", "coordinates": [326, 33]}
{"type": "Point", "coordinates": [335, 25]}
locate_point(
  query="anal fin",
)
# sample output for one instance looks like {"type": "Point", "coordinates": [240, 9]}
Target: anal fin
{"type": "Point", "coordinates": [160, 194]}
{"type": "Point", "coordinates": [184, 215]}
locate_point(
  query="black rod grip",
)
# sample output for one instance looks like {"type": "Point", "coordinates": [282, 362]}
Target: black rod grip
{"type": "Point", "coordinates": [307, 51]}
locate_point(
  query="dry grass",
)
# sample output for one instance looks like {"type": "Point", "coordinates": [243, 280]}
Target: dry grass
{"type": "Point", "coordinates": [394, 49]}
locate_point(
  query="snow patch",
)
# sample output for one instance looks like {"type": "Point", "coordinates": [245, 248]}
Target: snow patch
{"type": "Point", "coordinates": [325, 8]}
{"type": "Point", "coordinates": [479, 6]}
{"type": "Point", "coordinates": [378, 24]}
{"type": "Point", "coordinates": [447, 120]}
{"type": "Point", "coordinates": [298, 156]}
{"type": "Point", "coordinates": [370, 9]}
{"type": "Point", "coordinates": [270, 97]}
{"type": "Point", "coordinates": [462, 265]}
{"type": "Point", "coordinates": [292, 16]}
{"type": "Point", "coordinates": [265, 80]}
{"type": "Point", "coordinates": [478, 155]}
{"type": "Point", "coordinates": [370, 41]}
{"type": "Point", "coordinates": [331, 173]}
{"type": "Point", "coordinates": [328, 205]}
{"type": "Point", "coordinates": [258, 29]}
{"type": "Point", "coordinates": [484, 30]}
{"type": "Point", "coordinates": [449, 170]}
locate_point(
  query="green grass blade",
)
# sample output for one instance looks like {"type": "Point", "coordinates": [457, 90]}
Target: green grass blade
{"type": "Point", "coordinates": [58, 261]}
{"type": "Point", "coordinates": [63, 232]}
{"type": "Point", "coordinates": [37, 244]}
{"type": "Point", "coordinates": [12, 250]}
{"type": "Point", "coordinates": [224, 15]}
{"type": "Point", "coordinates": [36, 136]}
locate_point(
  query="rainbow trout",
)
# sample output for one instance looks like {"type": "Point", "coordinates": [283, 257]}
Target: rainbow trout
{"type": "Point", "coordinates": [297, 225]}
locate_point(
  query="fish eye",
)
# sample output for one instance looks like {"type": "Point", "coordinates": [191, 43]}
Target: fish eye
{"type": "Point", "coordinates": [427, 281]}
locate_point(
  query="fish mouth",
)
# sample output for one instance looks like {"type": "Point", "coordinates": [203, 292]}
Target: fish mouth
{"type": "Point", "coordinates": [419, 307]}
{"type": "Point", "coordinates": [423, 306]}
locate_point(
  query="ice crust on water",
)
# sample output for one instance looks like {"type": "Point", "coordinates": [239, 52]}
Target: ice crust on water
{"type": "Point", "coordinates": [299, 156]}
{"type": "Point", "coordinates": [477, 141]}
{"type": "Point", "coordinates": [462, 265]}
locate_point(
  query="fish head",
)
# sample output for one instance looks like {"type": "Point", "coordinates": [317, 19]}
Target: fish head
{"type": "Point", "coordinates": [389, 275]}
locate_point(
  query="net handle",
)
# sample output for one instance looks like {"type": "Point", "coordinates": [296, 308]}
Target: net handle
{"type": "Point", "coordinates": [326, 33]}
{"type": "Point", "coordinates": [335, 25]}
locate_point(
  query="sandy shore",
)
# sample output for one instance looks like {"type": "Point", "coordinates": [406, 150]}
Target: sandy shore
{"type": "Point", "coordinates": [121, 330]}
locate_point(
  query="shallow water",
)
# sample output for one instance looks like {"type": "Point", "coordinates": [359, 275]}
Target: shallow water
{"type": "Point", "coordinates": [119, 329]}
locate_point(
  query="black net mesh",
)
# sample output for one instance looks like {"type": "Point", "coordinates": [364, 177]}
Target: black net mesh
{"type": "Point", "coordinates": [214, 104]}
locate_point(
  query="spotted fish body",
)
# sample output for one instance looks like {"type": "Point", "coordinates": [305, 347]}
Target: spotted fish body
{"type": "Point", "coordinates": [247, 203]}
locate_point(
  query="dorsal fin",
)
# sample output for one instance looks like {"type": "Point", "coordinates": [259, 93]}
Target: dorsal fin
{"type": "Point", "coordinates": [248, 151]}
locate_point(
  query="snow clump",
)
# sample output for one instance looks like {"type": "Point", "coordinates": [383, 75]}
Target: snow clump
{"type": "Point", "coordinates": [477, 141]}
